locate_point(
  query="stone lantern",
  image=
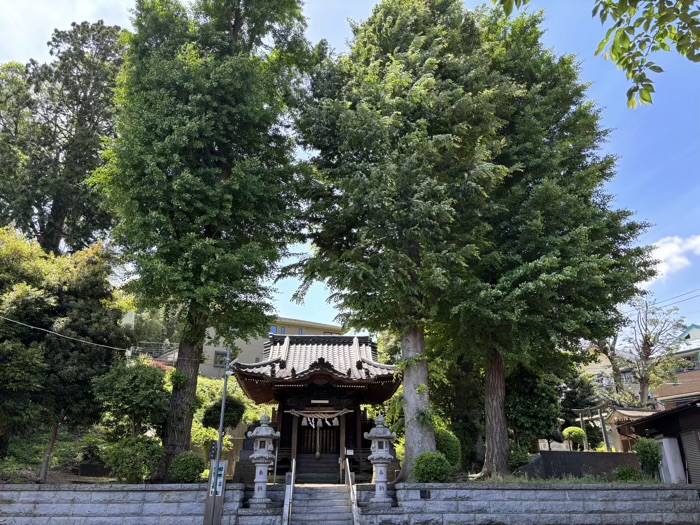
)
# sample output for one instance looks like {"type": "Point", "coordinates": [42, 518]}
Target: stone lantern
{"type": "Point", "coordinates": [380, 457]}
{"type": "Point", "coordinates": [262, 458]}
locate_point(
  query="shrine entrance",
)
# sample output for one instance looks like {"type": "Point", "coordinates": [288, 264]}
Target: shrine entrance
{"type": "Point", "coordinates": [319, 440]}
{"type": "Point", "coordinates": [319, 384]}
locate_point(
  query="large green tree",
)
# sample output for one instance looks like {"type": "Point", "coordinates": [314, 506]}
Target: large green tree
{"type": "Point", "coordinates": [639, 29]}
{"type": "Point", "coordinates": [201, 173]}
{"type": "Point", "coordinates": [23, 268]}
{"type": "Point", "coordinates": [53, 120]}
{"type": "Point", "coordinates": [68, 295]}
{"type": "Point", "coordinates": [398, 131]}
{"type": "Point", "coordinates": [558, 257]}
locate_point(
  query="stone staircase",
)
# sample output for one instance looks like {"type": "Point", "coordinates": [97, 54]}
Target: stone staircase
{"type": "Point", "coordinates": [321, 505]}
{"type": "Point", "coordinates": [325, 469]}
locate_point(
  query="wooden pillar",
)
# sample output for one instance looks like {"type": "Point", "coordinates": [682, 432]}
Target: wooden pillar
{"type": "Point", "coordinates": [295, 433]}
{"type": "Point", "coordinates": [342, 447]}
{"type": "Point", "coordinates": [606, 440]}
{"type": "Point", "coordinates": [358, 422]}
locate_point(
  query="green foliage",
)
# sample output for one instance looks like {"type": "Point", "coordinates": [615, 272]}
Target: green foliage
{"type": "Point", "coordinates": [186, 468]}
{"type": "Point", "coordinates": [627, 474]}
{"type": "Point", "coordinates": [639, 29]}
{"type": "Point", "coordinates": [574, 435]}
{"type": "Point", "coordinates": [70, 295]}
{"type": "Point", "coordinates": [400, 130]}
{"type": "Point", "coordinates": [235, 408]}
{"type": "Point", "coordinates": [448, 444]}
{"type": "Point", "coordinates": [158, 324]}
{"type": "Point", "coordinates": [208, 394]}
{"type": "Point", "coordinates": [44, 165]}
{"type": "Point", "coordinates": [135, 391]}
{"type": "Point", "coordinates": [431, 467]}
{"type": "Point", "coordinates": [649, 452]}
{"type": "Point", "coordinates": [25, 452]}
{"type": "Point", "coordinates": [201, 174]}
{"type": "Point", "coordinates": [532, 405]}
{"type": "Point", "coordinates": [133, 459]}
{"type": "Point", "coordinates": [21, 370]}
{"type": "Point", "coordinates": [518, 456]}
{"type": "Point", "coordinates": [178, 379]}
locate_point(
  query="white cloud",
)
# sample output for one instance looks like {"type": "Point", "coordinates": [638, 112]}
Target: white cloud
{"type": "Point", "coordinates": [673, 254]}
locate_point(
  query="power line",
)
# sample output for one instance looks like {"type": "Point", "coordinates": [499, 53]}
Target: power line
{"type": "Point", "coordinates": [628, 312]}
{"type": "Point", "coordinates": [64, 336]}
{"type": "Point", "coordinates": [677, 296]}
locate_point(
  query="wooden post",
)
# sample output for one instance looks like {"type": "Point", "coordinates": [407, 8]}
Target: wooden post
{"type": "Point", "coordinates": [295, 432]}
{"type": "Point", "coordinates": [342, 447]}
{"type": "Point", "coordinates": [358, 419]}
{"type": "Point", "coordinates": [606, 440]}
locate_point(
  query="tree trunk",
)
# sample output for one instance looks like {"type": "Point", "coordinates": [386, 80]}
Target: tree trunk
{"type": "Point", "coordinates": [420, 436]}
{"type": "Point", "coordinates": [49, 452]}
{"type": "Point", "coordinates": [178, 427]}
{"type": "Point", "coordinates": [643, 390]}
{"type": "Point", "coordinates": [496, 462]}
{"type": "Point", "coordinates": [52, 233]}
{"type": "Point", "coordinates": [617, 374]}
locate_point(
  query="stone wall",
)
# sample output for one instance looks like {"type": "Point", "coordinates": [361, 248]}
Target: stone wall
{"type": "Point", "coordinates": [111, 504]}
{"type": "Point", "coordinates": [538, 504]}
{"type": "Point", "coordinates": [416, 504]}
{"type": "Point", "coordinates": [557, 464]}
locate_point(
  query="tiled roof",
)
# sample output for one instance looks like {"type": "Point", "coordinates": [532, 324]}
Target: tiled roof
{"type": "Point", "coordinates": [292, 356]}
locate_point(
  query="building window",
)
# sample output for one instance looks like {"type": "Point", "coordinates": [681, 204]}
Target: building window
{"type": "Point", "coordinates": [273, 329]}
{"type": "Point", "coordinates": [282, 329]}
{"type": "Point", "coordinates": [257, 359]}
{"type": "Point", "coordinates": [219, 359]}
{"type": "Point", "coordinates": [301, 332]}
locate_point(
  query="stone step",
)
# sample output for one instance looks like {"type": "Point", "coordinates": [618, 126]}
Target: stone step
{"type": "Point", "coordinates": [302, 521]}
{"type": "Point", "coordinates": [317, 478]}
{"type": "Point", "coordinates": [321, 502]}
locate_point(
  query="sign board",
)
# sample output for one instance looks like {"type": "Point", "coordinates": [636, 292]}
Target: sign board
{"type": "Point", "coordinates": [218, 481]}
{"type": "Point", "coordinates": [349, 452]}
{"type": "Point", "coordinates": [213, 509]}
{"type": "Point", "coordinates": [212, 450]}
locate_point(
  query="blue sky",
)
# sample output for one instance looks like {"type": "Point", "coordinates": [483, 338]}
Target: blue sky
{"type": "Point", "coordinates": [658, 146]}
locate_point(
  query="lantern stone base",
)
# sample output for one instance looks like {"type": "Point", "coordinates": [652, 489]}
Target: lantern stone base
{"type": "Point", "coordinates": [380, 503]}
{"type": "Point", "coordinates": [259, 503]}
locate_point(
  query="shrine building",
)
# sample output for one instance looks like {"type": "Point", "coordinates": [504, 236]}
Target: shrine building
{"type": "Point", "coordinates": [319, 384]}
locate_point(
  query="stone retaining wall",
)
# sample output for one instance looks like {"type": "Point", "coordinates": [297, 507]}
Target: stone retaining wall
{"type": "Point", "coordinates": [416, 504]}
{"type": "Point", "coordinates": [539, 504]}
{"type": "Point", "coordinates": [111, 504]}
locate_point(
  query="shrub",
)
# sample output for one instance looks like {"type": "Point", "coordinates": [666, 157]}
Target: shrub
{"type": "Point", "coordinates": [186, 468]}
{"type": "Point", "coordinates": [649, 453]}
{"type": "Point", "coordinates": [574, 435]}
{"type": "Point", "coordinates": [400, 448]}
{"type": "Point", "coordinates": [518, 456]}
{"type": "Point", "coordinates": [628, 474]}
{"type": "Point", "coordinates": [447, 443]}
{"type": "Point", "coordinates": [432, 467]}
{"type": "Point", "coordinates": [133, 459]}
{"type": "Point", "coordinates": [235, 408]}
